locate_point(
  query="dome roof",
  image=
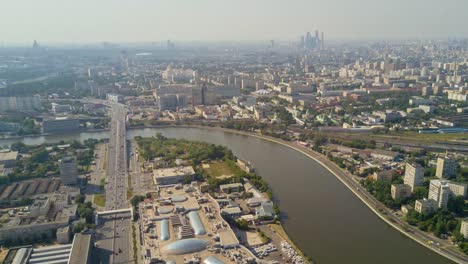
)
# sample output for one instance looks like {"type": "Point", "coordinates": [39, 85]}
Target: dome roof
{"type": "Point", "coordinates": [186, 246]}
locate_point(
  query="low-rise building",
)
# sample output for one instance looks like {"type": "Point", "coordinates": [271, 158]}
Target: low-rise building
{"type": "Point", "coordinates": [8, 159]}
{"type": "Point", "coordinates": [172, 175]}
{"type": "Point", "coordinates": [386, 176]}
{"type": "Point", "coordinates": [234, 212]}
{"type": "Point", "coordinates": [400, 191]}
{"type": "Point", "coordinates": [266, 210]}
{"type": "Point", "coordinates": [40, 206]}
{"type": "Point", "coordinates": [63, 235]}
{"type": "Point", "coordinates": [232, 187]}
{"type": "Point", "coordinates": [245, 166]}
{"type": "Point", "coordinates": [425, 206]}
{"type": "Point", "coordinates": [464, 228]}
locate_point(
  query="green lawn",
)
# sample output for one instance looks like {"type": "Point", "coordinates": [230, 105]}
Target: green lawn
{"type": "Point", "coordinates": [100, 199]}
{"type": "Point", "coordinates": [222, 168]}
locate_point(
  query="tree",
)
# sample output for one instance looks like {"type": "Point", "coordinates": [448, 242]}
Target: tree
{"type": "Point", "coordinates": [420, 192]}
{"type": "Point", "coordinates": [80, 198]}
{"type": "Point", "coordinates": [78, 227]}
{"type": "Point", "coordinates": [456, 204]}
{"type": "Point", "coordinates": [242, 224]}
{"type": "Point", "coordinates": [136, 200]}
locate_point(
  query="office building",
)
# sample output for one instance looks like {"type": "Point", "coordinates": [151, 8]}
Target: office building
{"type": "Point", "coordinates": [400, 191]}
{"type": "Point", "coordinates": [446, 167]}
{"type": "Point", "coordinates": [464, 228]}
{"type": "Point", "coordinates": [68, 171]}
{"type": "Point", "coordinates": [425, 206]}
{"type": "Point", "coordinates": [439, 192]}
{"type": "Point", "coordinates": [414, 175]}
{"type": "Point", "coordinates": [60, 124]}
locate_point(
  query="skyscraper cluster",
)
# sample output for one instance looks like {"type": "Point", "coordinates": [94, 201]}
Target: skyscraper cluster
{"type": "Point", "coordinates": [312, 42]}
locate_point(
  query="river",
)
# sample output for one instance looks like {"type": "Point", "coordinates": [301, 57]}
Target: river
{"type": "Point", "coordinates": [326, 220]}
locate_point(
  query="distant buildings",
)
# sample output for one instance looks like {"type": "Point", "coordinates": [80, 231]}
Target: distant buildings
{"type": "Point", "coordinates": [178, 75]}
{"type": "Point", "coordinates": [69, 171]}
{"type": "Point", "coordinates": [115, 98]}
{"type": "Point", "coordinates": [60, 124]}
{"type": "Point", "coordinates": [57, 108]}
{"type": "Point", "coordinates": [312, 42]}
{"type": "Point", "coordinates": [24, 103]}
{"type": "Point", "coordinates": [446, 167]}
{"type": "Point", "coordinates": [172, 96]}
{"type": "Point", "coordinates": [414, 175]}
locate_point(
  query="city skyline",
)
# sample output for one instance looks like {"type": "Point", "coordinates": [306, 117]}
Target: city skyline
{"type": "Point", "coordinates": [53, 21]}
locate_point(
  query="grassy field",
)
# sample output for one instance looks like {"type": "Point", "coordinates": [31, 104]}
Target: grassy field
{"type": "Point", "coordinates": [222, 168]}
{"type": "Point", "coordinates": [100, 199]}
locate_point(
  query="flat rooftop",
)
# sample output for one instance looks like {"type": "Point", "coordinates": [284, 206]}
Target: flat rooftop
{"type": "Point", "coordinates": [174, 171]}
{"type": "Point", "coordinates": [80, 248]}
{"type": "Point", "coordinates": [12, 155]}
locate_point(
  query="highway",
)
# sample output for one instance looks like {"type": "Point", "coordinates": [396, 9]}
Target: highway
{"type": "Point", "coordinates": [114, 230]}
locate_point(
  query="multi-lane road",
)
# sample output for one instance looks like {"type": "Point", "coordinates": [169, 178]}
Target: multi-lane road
{"type": "Point", "coordinates": [114, 230]}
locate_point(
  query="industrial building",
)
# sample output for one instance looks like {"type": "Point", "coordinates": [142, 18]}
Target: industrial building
{"type": "Point", "coordinates": [42, 255]}
{"type": "Point", "coordinates": [23, 103]}
{"type": "Point", "coordinates": [185, 224]}
{"type": "Point", "coordinates": [60, 124]}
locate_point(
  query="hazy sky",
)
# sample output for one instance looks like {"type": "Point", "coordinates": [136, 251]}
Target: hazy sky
{"type": "Point", "coordinates": [186, 20]}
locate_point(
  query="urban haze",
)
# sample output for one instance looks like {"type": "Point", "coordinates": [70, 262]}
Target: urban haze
{"type": "Point", "coordinates": [250, 132]}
